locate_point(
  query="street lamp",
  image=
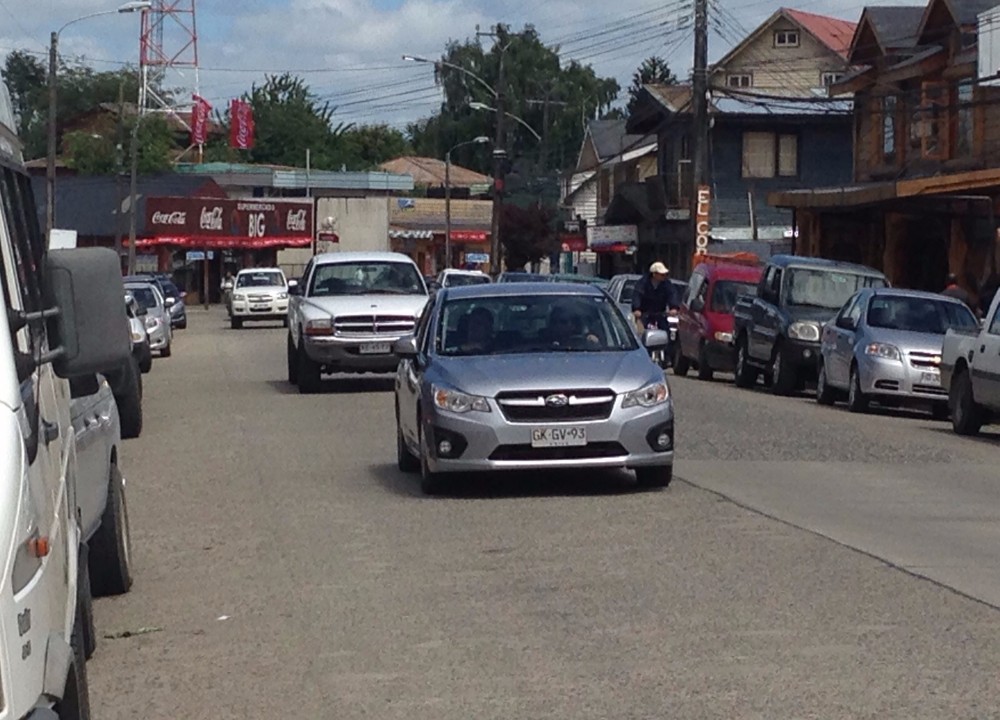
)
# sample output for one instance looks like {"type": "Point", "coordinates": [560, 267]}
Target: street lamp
{"type": "Point", "coordinates": [486, 108]}
{"type": "Point", "coordinates": [447, 194]}
{"type": "Point", "coordinates": [50, 167]}
{"type": "Point", "coordinates": [453, 66]}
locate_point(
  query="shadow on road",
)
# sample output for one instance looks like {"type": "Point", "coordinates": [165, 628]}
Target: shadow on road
{"type": "Point", "coordinates": [339, 386]}
{"type": "Point", "coordinates": [984, 436]}
{"type": "Point", "coordinates": [512, 484]}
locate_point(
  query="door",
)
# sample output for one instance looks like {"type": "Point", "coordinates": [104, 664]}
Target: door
{"type": "Point", "coordinates": [408, 376]}
{"type": "Point", "coordinates": [986, 365]}
{"type": "Point", "coordinates": [765, 315]}
{"type": "Point", "coordinates": [840, 349]}
{"type": "Point", "coordinates": [692, 315]}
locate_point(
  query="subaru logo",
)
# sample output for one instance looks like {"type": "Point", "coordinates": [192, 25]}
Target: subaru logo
{"type": "Point", "coordinates": [558, 400]}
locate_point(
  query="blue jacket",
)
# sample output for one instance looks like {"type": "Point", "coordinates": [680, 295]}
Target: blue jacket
{"type": "Point", "coordinates": [648, 299]}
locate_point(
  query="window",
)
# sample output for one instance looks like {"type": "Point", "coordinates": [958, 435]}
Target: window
{"type": "Point", "coordinates": [830, 78]}
{"type": "Point", "coordinates": [825, 289]}
{"type": "Point", "coordinates": [889, 129]}
{"type": "Point", "coordinates": [727, 292]}
{"type": "Point", "coordinates": [768, 155]}
{"type": "Point", "coordinates": [965, 121]}
{"type": "Point", "coordinates": [694, 288]}
{"type": "Point", "coordinates": [786, 38]}
{"type": "Point", "coordinates": [739, 80]}
{"type": "Point", "coordinates": [366, 278]}
{"type": "Point", "coordinates": [932, 121]}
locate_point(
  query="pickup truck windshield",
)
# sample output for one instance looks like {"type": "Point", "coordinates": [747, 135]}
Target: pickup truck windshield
{"type": "Point", "coordinates": [366, 278]}
{"type": "Point", "coordinates": [824, 288]}
{"type": "Point", "coordinates": [920, 315]}
{"type": "Point", "coordinates": [260, 279]}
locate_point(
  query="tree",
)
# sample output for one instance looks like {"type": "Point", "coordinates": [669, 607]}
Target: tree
{"type": "Point", "coordinates": [25, 77]}
{"type": "Point", "coordinates": [528, 234]}
{"type": "Point", "coordinates": [653, 69]}
{"type": "Point", "coordinates": [372, 145]}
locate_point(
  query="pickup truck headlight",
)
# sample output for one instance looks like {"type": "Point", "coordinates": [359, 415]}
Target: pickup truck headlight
{"type": "Point", "coordinates": [323, 326]}
{"type": "Point", "coordinates": [283, 296]}
{"type": "Point", "coordinates": [653, 394]}
{"type": "Point", "coordinates": [239, 297]}
{"type": "Point", "coordinates": [806, 331]}
{"type": "Point", "coordinates": [883, 351]}
{"type": "Point", "coordinates": [724, 337]}
{"type": "Point", "coordinates": [458, 402]}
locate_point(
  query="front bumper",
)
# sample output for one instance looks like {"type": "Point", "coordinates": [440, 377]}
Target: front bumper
{"type": "Point", "coordinates": [892, 378]}
{"type": "Point", "coordinates": [721, 356]}
{"type": "Point", "coordinates": [261, 310]}
{"type": "Point", "coordinates": [488, 441]}
{"type": "Point", "coordinates": [802, 354]}
{"type": "Point", "coordinates": [159, 338]}
{"type": "Point", "coordinates": [338, 354]}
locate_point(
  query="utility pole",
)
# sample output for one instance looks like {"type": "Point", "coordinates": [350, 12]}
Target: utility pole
{"type": "Point", "coordinates": [700, 193]}
{"type": "Point", "coordinates": [499, 153]}
{"type": "Point", "coordinates": [133, 192]}
{"type": "Point", "coordinates": [119, 170]}
{"type": "Point", "coordinates": [50, 162]}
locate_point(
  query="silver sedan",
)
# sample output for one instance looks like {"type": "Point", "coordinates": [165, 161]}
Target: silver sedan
{"type": "Point", "coordinates": [531, 376]}
{"type": "Point", "coordinates": [885, 345]}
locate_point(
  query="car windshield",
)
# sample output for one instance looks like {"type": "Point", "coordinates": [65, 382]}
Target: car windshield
{"type": "Point", "coordinates": [532, 324]}
{"type": "Point", "coordinates": [264, 278]}
{"type": "Point", "coordinates": [459, 279]}
{"type": "Point", "coordinates": [921, 315]}
{"type": "Point", "coordinates": [628, 287]}
{"type": "Point", "coordinates": [145, 295]}
{"type": "Point", "coordinates": [726, 293]}
{"type": "Point", "coordinates": [825, 288]}
{"type": "Point", "coordinates": [366, 278]}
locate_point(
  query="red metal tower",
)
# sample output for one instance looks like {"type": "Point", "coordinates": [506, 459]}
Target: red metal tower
{"type": "Point", "coordinates": [168, 58]}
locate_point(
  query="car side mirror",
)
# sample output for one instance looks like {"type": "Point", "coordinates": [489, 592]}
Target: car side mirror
{"type": "Point", "coordinates": [294, 288]}
{"type": "Point", "coordinates": [292, 283]}
{"type": "Point", "coordinates": [405, 347]}
{"type": "Point", "coordinates": [87, 324]}
{"type": "Point", "coordinates": [845, 323]}
{"type": "Point", "coordinates": [169, 301]}
{"type": "Point", "coordinates": [84, 386]}
{"type": "Point", "coordinates": [655, 339]}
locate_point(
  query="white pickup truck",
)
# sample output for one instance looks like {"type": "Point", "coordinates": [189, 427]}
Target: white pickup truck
{"type": "Point", "coordinates": [970, 370]}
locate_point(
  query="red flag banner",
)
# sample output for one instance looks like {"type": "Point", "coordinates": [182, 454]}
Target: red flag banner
{"type": "Point", "coordinates": [199, 120]}
{"type": "Point", "coordinates": [241, 125]}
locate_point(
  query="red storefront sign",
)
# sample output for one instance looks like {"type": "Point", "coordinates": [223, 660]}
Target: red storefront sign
{"type": "Point", "coordinates": [573, 243]}
{"type": "Point", "coordinates": [225, 223]}
{"type": "Point", "coordinates": [469, 236]}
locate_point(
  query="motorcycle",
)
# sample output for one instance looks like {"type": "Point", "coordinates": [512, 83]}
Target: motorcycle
{"type": "Point", "coordinates": [662, 321]}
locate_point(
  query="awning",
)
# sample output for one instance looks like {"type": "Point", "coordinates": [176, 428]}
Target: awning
{"type": "Point", "coordinates": [223, 242]}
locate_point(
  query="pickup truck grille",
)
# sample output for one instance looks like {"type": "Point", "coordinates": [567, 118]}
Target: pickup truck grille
{"type": "Point", "coordinates": [556, 405]}
{"type": "Point", "coordinates": [925, 360]}
{"type": "Point", "coordinates": [368, 325]}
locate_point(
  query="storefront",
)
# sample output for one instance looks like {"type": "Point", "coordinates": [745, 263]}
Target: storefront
{"type": "Point", "coordinates": [615, 246]}
{"type": "Point", "coordinates": [200, 240]}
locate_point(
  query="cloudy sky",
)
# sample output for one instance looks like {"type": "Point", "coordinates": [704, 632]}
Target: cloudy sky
{"type": "Point", "coordinates": [350, 50]}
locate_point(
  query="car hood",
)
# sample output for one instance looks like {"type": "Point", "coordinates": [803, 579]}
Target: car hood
{"type": "Point", "coordinates": [906, 340]}
{"type": "Point", "coordinates": [490, 374]}
{"type": "Point", "coordinates": [261, 290]}
{"type": "Point", "coordinates": [806, 313]}
{"type": "Point", "coordinates": [369, 304]}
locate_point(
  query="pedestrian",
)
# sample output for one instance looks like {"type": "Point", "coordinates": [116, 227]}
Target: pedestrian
{"type": "Point", "coordinates": [654, 296]}
{"type": "Point", "coordinates": [953, 289]}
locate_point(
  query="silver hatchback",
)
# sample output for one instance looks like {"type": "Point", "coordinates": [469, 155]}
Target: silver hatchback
{"type": "Point", "coordinates": [531, 376]}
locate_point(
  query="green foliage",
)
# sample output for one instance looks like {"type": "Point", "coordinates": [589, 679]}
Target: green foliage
{"type": "Point", "coordinates": [653, 69]}
{"type": "Point", "coordinates": [25, 78]}
{"type": "Point", "coordinates": [372, 145]}
{"type": "Point", "coordinates": [527, 233]}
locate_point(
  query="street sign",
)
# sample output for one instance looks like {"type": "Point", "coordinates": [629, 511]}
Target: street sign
{"type": "Point", "coordinates": [198, 255]}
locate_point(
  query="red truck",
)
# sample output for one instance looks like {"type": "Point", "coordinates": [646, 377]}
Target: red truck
{"type": "Point", "coordinates": [705, 327]}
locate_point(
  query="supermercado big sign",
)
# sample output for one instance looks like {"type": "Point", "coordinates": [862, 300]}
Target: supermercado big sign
{"type": "Point", "coordinates": [226, 223]}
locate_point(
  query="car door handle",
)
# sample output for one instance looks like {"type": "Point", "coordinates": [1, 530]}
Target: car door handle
{"type": "Point", "coordinates": [50, 431]}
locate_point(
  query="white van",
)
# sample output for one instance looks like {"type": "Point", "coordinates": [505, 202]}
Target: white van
{"type": "Point", "coordinates": [44, 584]}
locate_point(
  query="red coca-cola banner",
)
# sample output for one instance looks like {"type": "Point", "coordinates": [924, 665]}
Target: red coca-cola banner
{"type": "Point", "coordinates": [226, 223]}
{"type": "Point", "coordinates": [241, 125]}
{"type": "Point", "coordinates": [199, 120]}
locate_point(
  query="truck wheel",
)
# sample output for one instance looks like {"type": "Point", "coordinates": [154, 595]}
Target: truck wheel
{"type": "Point", "coordinates": [857, 401]}
{"type": "Point", "coordinates": [85, 604]}
{"type": "Point", "coordinates": [75, 702]}
{"type": "Point", "coordinates": [308, 374]}
{"type": "Point", "coordinates": [654, 477]}
{"type": "Point", "coordinates": [704, 369]}
{"type": "Point", "coordinates": [128, 397]}
{"type": "Point", "coordinates": [825, 395]}
{"type": "Point", "coordinates": [681, 363]}
{"type": "Point", "coordinates": [111, 546]}
{"type": "Point", "coordinates": [235, 323]}
{"type": "Point", "coordinates": [293, 364]}
{"type": "Point", "coordinates": [966, 416]}
{"type": "Point", "coordinates": [746, 376]}
{"type": "Point", "coordinates": [783, 373]}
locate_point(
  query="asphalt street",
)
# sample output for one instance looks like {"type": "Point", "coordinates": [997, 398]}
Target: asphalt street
{"type": "Point", "coordinates": [807, 563]}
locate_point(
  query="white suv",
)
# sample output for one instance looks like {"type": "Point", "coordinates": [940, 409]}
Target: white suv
{"type": "Point", "coordinates": [259, 294]}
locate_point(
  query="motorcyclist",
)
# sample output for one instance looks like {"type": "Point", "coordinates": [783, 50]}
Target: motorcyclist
{"type": "Point", "coordinates": [654, 297]}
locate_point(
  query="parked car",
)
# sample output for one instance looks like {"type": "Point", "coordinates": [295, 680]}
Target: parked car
{"type": "Point", "coordinates": [100, 485]}
{"type": "Point", "coordinates": [157, 320]}
{"type": "Point", "coordinates": [530, 376]}
{"type": "Point", "coordinates": [259, 294]}
{"type": "Point", "coordinates": [777, 329]}
{"type": "Point", "coordinates": [141, 350]}
{"type": "Point", "coordinates": [173, 298]}
{"type": "Point", "coordinates": [347, 312]}
{"type": "Point", "coordinates": [970, 372]}
{"type": "Point", "coordinates": [455, 278]}
{"type": "Point", "coordinates": [705, 318]}
{"type": "Point", "coordinates": [885, 345]}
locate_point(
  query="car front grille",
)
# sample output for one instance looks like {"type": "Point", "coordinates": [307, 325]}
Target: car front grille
{"type": "Point", "coordinates": [925, 360]}
{"type": "Point", "coordinates": [260, 298]}
{"type": "Point", "coordinates": [591, 451]}
{"type": "Point", "coordinates": [368, 325]}
{"type": "Point", "coordinates": [556, 405]}
{"type": "Point", "coordinates": [935, 390]}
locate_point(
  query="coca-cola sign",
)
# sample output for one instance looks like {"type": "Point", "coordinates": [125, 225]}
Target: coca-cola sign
{"type": "Point", "coordinates": [169, 218]}
{"type": "Point", "coordinates": [211, 218]}
{"type": "Point", "coordinates": [214, 222]}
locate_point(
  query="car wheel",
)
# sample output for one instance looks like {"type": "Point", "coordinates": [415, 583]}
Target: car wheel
{"type": "Point", "coordinates": [85, 604]}
{"type": "Point", "coordinates": [966, 416]}
{"type": "Point", "coordinates": [284, 322]}
{"type": "Point", "coordinates": [654, 477]}
{"type": "Point", "coordinates": [857, 401]}
{"type": "Point", "coordinates": [745, 375]}
{"type": "Point", "coordinates": [235, 323]}
{"type": "Point", "coordinates": [404, 458]}
{"type": "Point", "coordinates": [167, 350]}
{"type": "Point", "coordinates": [293, 364]}
{"type": "Point", "coordinates": [128, 398]}
{"type": "Point", "coordinates": [182, 325]}
{"type": "Point", "coordinates": [146, 364]}
{"type": "Point", "coordinates": [704, 369]}
{"type": "Point", "coordinates": [681, 363]}
{"type": "Point", "coordinates": [308, 374]}
{"type": "Point", "coordinates": [783, 374]}
{"type": "Point", "coordinates": [825, 395]}
{"type": "Point", "coordinates": [75, 702]}
{"type": "Point", "coordinates": [430, 482]}
{"type": "Point", "coordinates": [111, 546]}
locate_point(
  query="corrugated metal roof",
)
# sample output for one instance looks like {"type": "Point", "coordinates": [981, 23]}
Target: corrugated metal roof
{"type": "Point", "coordinates": [833, 32]}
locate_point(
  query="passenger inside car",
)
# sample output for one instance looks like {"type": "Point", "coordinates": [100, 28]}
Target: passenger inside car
{"type": "Point", "coordinates": [475, 332]}
{"type": "Point", "coordinates": [566, 329]}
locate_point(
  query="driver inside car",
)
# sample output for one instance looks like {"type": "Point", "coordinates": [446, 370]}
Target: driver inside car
{"type": "Point", "coordinates": [566, 330]}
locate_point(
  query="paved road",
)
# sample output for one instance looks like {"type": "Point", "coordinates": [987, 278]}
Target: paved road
{"type": "Point", "coordinates": [286, 569]}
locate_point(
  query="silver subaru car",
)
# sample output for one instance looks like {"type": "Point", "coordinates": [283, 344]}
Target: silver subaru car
{"type": "Point", "coordinates": [530, 376]}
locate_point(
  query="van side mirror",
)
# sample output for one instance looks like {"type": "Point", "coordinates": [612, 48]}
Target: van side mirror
{"type": "Point", "coordinates": [87, 325]}
{"type": "Point", "coordinates": [83, 386]}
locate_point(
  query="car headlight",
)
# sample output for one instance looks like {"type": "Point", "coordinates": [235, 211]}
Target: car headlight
{"type": "Point", "coordinates": [283, 296]}
{"type": "Point", "coordinates": [321, 326]}
{"type": "Point", "coordinates": [138, 337]}
{"type": "Point", "coordinates": [724, 337]}
{"type": "Point", "coordinates": [883, 351]}
{"type": "Point", "coordinates": [653, 394]}
{"type": "Point", "coordinates": [239, 297]}
{"type": "Point", "coordinates": [458, 402]}
{"type": "Point", "coordinates": [152, 323]}
{"type": "Point", "coordinates": [804, 331]}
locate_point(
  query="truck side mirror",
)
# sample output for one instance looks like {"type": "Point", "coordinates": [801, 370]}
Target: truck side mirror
{"type": "Point", "coordinates": [87, 325]}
